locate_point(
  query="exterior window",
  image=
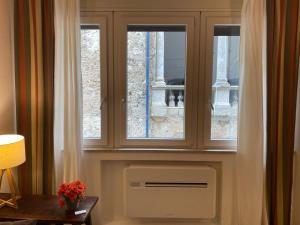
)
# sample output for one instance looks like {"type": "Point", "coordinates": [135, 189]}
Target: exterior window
{"type": "Point", "coordinates": [160, 80]}
{"type": "Point", "coordinates": [156, 59]}
{"type": "Point", "coordinates": [155, 78]}
{"type": "Point", "coordinates": [91, 82]}
{"type": "Point", "coordinates": [221, 67]}
{"type": "Point", "coordinates": [94, 67]}
{"type": "Point", "coordinates": [225, 82]}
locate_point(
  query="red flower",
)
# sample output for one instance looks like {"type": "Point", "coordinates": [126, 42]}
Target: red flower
{"type": "Point", "coordinates": [61, 202]}
{"type": "Point", "coordinates": [70, 192]}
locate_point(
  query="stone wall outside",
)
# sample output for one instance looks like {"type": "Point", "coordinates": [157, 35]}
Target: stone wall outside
{"type": "Point", "coordinates": [169, 126]}
{"type": "Point", "coordinates": [90, 70]}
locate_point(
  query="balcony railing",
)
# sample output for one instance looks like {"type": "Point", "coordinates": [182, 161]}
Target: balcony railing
{"type": "Point", "coordinates": [233, 94]}
{"type": "Point", "coordinates": [174, 95]}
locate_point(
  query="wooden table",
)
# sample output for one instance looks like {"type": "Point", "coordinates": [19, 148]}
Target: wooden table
{"type": "Point", "coordinates": [45, 210]}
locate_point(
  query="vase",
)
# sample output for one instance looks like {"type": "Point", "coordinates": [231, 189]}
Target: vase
{"type": "Point", "coordinates": [71, 207]}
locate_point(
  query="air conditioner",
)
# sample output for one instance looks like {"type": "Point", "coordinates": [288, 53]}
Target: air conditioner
{"type": "Point", "coordinates": [170, 191]}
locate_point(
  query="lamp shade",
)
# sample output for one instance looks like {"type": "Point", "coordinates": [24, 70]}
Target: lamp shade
{"type": "Point", "coordinates": [12, 150]}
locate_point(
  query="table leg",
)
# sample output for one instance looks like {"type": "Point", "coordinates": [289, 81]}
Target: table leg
{"type": "Point", "coordinates": [88, 220]}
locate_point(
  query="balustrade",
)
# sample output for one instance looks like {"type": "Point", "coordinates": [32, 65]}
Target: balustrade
{"type": "Point", "coordinates": [233, 95]}
{"type": "Point", "coordinates": [174, 95]}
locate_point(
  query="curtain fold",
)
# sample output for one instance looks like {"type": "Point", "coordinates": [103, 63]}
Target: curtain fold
{"type": "Point", "coordinates": [67, 124]}
{"type": "Point", "coordinates": [250, 158]}
{"type": "Point", "coordinates": [48, 59]}
{"type": "Point", "coordinates": [34, 54]}
{"type": "Point", "coordinates": [282, 68]}
{"type": "Point", "coordinates": [295, 220]}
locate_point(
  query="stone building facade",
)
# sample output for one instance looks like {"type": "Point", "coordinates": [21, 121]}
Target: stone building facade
{"type": "Point", "coordinates": [91, 91]}
{"type": "Point", "coordinates": [165, 116]}
{"type": "Point", "coordinates": [155, 85]}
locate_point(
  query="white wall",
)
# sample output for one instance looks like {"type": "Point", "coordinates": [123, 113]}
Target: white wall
{"type": "Point", "coordinates": [103, 173]}
{"type": "Point", "coordinates": [103, 170]}
{"type": "Point", "coordinates": [7, 104]}
{"type": "Point", "coordinates": [7, 108]}
{"type": "Point", "coordinates": [163, 5]}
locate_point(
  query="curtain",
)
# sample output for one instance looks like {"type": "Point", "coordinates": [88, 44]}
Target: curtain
{"type": "Point", "coordinates": [296, 182]}
{"type": "Point", "coordinates": [250, 158]}
{"type": "Point", "coordinates": [34, 61]}
{"type": "Point", "coordinates": [67, 122]}
{"type": "Point", "coordinates": [282, 67]}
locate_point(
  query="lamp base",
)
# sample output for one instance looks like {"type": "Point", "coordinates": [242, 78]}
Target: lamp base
{"type": "Point", "coordinates": [14, 191]}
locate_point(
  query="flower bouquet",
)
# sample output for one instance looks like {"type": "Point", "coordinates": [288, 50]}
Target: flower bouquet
{"type": "Point", "coordinates": [70, 195]}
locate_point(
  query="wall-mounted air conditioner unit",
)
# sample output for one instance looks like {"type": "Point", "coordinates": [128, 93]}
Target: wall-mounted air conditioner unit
{"type": "Point", "coordinates": [170, 191]}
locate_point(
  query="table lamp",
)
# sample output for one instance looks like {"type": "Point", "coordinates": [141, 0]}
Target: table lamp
{"type": "Point", "coordinates": [12, 154]}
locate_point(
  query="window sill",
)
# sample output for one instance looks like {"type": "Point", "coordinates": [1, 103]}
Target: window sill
{"type": "Point", "coordinates": [156, 150]}
{"type": "Point", "coordinates": [159, 155]}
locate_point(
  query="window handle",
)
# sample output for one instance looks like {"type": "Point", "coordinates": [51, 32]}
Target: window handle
{"type": "Point", "coordinates": [102, 102]}
{"type": "Point", "coordinates": [212, 106]}
{"type": "Point", "coordinates": [123, 102]}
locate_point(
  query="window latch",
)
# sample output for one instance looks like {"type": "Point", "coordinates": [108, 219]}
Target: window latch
{"type": "Point", "coordinates": [102, 102]}
{"type": "Point", "coordinates": [123, 101]}
{"type": "Point", "coordinates": [212, 107]}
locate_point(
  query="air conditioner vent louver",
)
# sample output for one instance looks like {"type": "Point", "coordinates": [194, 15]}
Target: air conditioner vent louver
{"type": "Point", "coordinates": [170, 191]}
{"type": "Point", "coordinates": [175, 185]}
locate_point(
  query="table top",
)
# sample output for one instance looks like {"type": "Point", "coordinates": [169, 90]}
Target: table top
{"type": "Point", "coordinates": [45, 208]}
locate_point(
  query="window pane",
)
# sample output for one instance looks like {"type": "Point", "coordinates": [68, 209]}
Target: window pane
{"type": "Point", "coordinates": [225, 82]}
{"type": "Point", "coordinates": [91, 87]}
{"type": "Point", "coordinates": [156, 65]}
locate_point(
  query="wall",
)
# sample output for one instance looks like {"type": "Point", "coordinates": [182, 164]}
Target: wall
{"type": "Point", "coordinates": [103, 171]}
{"type": "Point", "coordinates": [7, 109]}
{"type": "Point", "coordinates": [7, 105]}
{"type": "Point", "coordinates": [166, 5]}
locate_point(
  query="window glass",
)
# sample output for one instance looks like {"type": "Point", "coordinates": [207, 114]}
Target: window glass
{"type": "Point", "coordinates": [156, 67]}
{"type": "Point", "coordinates": [91, 86]}
{"type": "Point", "coordinates": [225, 82]}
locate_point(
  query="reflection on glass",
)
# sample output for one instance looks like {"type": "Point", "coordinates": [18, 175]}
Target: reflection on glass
{"type": "Point", "coordinates": [225, 82]}
{"type": "Point", "coordinates": [90, 72]}
{"type": "Point", "coordinates": [156, 58]}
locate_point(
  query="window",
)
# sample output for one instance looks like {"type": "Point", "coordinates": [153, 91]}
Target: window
{"type": "Point", "coordinates": [94, 79]}
{"type": "Point", "coordinates": [160, 80]}
{"type": "Point", "coordinates": [222, 80]}
{"type": "Point", "coordinates": [155, 76]}
{"type": "Point", "coordinates": [156, 57]}
{"type": "Point", "coordinates": [225, 82]}
{"type": "Point", "coordinates": [91, 84]}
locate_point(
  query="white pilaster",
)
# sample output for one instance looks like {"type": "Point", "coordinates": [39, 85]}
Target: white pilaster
{"type": "Point", "coordinates": [160, 58]}
{"type": "Point", "coordinates": [158, 88]}
{"type": "Point", "coordinates": [221, 103]}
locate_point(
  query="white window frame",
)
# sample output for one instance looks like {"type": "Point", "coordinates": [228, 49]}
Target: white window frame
{"type": "Point", "coordinates": [208, 20]}
{"type": "Point", "coordinates": [103, 21]}
{"type": "Point", "coordinates": [121, 20]}
{"type": "Point", "coordinates": [113, 26]}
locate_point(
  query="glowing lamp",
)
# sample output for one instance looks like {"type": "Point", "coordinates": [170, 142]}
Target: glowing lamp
{"type": "Point", "coordinates": [12, 154]}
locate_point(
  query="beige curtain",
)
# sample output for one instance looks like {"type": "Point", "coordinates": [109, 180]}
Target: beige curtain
{"type": "Point", "coordinates": [250, 157]}
{"type": "Point", "coordinates": [67, 126]}
{"type": "Point", "coordinates": [296, 183]}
